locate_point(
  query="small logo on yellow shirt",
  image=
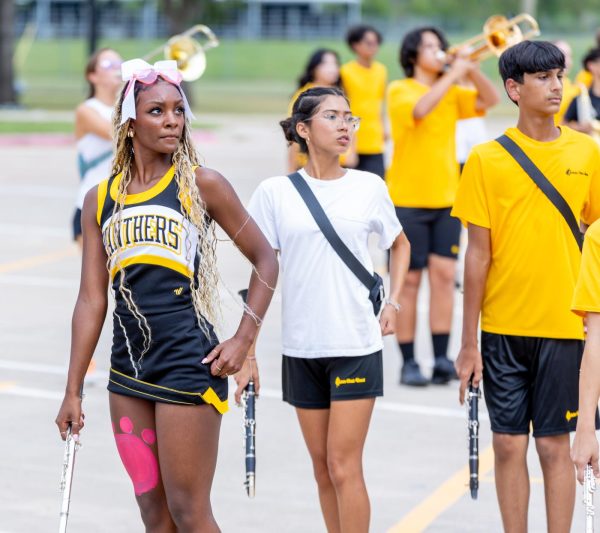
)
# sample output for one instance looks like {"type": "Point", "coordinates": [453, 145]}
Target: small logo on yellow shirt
{"type": "Point", "coordinates": [349, 381]}
{"type": "Point", "coordinates": [571, 414]}
{"type": "Point", "coordinates": [577, 172]}
{"type": "Point", "coordinates": [178, 291]}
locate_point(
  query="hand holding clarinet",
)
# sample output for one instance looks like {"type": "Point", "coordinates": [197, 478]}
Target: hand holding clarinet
{"type": "Point", "coordinates": [584, 454]}
{"type": "Point", "coordinates": [69, 422]}
{"type": "Point", "coordinates": [245, 395]}
{"type": "Point", "coordinates": [472, 401]}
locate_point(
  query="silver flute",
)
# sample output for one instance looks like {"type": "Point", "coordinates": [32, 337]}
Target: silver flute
{"type": "Point", "coordinates": [66, 479]}
{"type": "Point", "coordinates": [589, 487]}
{"type": "Point", "coordinates": [248, 403]}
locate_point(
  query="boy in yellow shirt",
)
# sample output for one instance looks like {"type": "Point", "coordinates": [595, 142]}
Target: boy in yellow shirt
{"type": "Point", "coordinates": [586, 302]}
{"type": "Point", "coordinates": [521, 266]}
{"type": "Point", "coordinates": [364, 81]}
{"type": "Point", "coordinates": [422, 179]}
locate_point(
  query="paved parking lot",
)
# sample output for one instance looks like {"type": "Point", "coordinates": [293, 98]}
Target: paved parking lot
{"type": "Point", "coordinates": [416, 452]}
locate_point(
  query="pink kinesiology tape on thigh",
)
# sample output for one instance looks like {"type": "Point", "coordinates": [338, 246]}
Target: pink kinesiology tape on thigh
{"type": "Point", "coordinates": [137, 456]}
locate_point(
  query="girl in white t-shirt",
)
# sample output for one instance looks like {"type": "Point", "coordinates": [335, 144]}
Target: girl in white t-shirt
{"type": "Point", "coordinates": [332, 341]}
{"type": "Point", "coordinates": [93, 126]}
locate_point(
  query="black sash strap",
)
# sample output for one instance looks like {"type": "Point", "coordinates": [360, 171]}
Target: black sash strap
{"type": "Point", "coordinates": [545, 186]}
{"type": "Point", "coordinates": [366, 278]}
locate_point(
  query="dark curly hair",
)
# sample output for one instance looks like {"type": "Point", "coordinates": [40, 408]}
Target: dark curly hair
{"type": "Point", "coordinates": [305, 107]}
{"type": "Point", "coordinates": [410, 47]}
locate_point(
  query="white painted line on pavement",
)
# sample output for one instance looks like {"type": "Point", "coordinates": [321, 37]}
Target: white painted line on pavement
{"type": "Point", "coordinates": [39, 281]}
{"type": "Point", "coordinates": [20, 230]}
{"type": "Point", "coordinates": [40, 191]}
{"type": "Point", "coordinates": [394, 407]}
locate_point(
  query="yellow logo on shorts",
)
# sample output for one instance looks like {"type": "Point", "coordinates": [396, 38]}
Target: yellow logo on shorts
{"type": "Point", "coordinates": [571, 414]}
{"type": "Point", "coordinates": [349, 381]}
{"type": "Point", "coordinates": [178, 291]}
{"type": "Point", "coordinates": [455, 249]}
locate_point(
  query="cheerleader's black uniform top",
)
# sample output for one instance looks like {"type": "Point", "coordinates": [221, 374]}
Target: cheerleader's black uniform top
{"type": "Point", "coordinates": [156, 248]}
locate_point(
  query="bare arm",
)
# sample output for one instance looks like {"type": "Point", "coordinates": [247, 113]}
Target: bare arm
{"type": "Point", "coordinates": [399, 261]}
{"type": "Point", "coordinates": [88, 316]}
{"type": "Point", "coordinates": [585, 445]}
{"type": "Point", "coordinates": [477, 263]}
{"type": "Point", "coordinates": [487, 95]}
{"type": "Point", "coordinates": [88, 120]}
{"type": "Point", "coordinates": [224, 206]}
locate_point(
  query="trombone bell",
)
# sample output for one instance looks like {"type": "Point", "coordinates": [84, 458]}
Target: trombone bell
{"type": "Point", "coordinates": [188, 51]}
{"type": "Point", "coordinates": [499, 33]}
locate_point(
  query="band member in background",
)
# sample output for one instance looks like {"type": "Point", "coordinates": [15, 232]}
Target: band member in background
{"type": "Point", "coordinates": [364, 82]}
{"type": "Point", "coordinates": [521, 265]}
{"type": "Point", "coordinates": [93, 126]}
{"type": "Point", "coordinates": [152, 225]}
{"type": "Point", "coordinates": [422, 180]}
{"type": "Point", "coordinates": [570, 89]}
{"type": "Point", "coordinates": [321, 70]}
{"type": "Point", "coordinates": [586, 302]}
{"type": "Point", "coordinates": [93, 131]}
{"type": "Point", "coordinates": [583, 112]}
{"type": "Point", "coordinates": [332, 341]}
{"type": "Point", "coordinates": [584, 77]}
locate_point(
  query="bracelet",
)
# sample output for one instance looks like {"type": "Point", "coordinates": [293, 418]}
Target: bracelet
{"type": "Point", "coordinates": [251, 358]}
{"type": "Point", "coordinates": [395, 305]}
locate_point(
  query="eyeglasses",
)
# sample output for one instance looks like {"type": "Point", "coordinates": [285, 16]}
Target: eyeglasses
{"type": "Point", "coordinates": [346, 120]}
{"type": "Point", "coordinates": [110, 64]}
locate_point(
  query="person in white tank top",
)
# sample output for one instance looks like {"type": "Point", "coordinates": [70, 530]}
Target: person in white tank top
{"type": "Point", "coordinates": [93, 126]}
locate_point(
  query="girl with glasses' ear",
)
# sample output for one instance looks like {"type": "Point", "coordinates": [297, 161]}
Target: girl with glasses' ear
{"type": "Point", "coordinates": [332, 340]}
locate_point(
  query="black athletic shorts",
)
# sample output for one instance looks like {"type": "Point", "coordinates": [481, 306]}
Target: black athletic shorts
{"type": "Point", "coordinates": [76, 224]}
{"type": "Point", "coordinates": [371, 163]}
{"type": "Point", "coordinates": [430, 231]}
{"type": "Point", "coordinates": [531, 381]}
{"type": "Point", "coordinates": [315, 383]}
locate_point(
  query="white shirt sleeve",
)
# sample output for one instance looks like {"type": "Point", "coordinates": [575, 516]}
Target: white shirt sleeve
{"type": "Point", "coordinates": [262, 210]}
{"type": "Point", "coordinates": [385, 222]}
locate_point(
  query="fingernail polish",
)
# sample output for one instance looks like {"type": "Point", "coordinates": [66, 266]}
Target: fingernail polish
{"type": "Point", "coordinates": [204, 361]}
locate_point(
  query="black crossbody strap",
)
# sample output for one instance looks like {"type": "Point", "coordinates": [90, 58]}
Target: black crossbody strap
{"type": "Point", "coordinates": [366, 278]}
{"type": "Point", "coordinates": [542, 182]}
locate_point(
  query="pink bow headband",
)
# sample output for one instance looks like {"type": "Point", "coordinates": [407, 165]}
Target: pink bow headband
{"type": "Point", "coordinates": [137, 70]}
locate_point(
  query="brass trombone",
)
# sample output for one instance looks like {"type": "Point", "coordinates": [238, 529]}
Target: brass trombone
{"type": "Point", "coordinates": [499, 33]}
{"type": "Point", "coordinates": [188, 51]}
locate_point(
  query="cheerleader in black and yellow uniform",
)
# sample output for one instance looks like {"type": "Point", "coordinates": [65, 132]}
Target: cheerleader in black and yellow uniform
{"type": "Point", "coordinates": [150, 231]}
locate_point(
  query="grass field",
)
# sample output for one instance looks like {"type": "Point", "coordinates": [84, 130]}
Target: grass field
{"type": "Point", "coordinates": [241, 77]}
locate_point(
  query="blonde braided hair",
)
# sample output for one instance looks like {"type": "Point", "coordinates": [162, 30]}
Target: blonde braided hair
{"type": "Point", "coordinates": [203, 283]}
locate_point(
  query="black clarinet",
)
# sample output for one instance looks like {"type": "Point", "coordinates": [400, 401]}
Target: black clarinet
{"type": "Point", "coordinates": [473, 396]}
{"type": "Point", "coordinates": [249, 405]}
{"type": "Point", "coordinates": [248, 402]}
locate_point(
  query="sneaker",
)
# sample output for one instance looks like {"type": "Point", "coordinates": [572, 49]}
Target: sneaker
{"type": "Point", "coordinates": [411, 375]}
{"type": "Point", "coordinates": [443, 371]}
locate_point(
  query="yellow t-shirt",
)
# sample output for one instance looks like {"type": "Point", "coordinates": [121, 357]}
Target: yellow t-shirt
{"type": "Point", "coordinates": [424, 170]}
{"type": "Point", "coordinates": [587, 291]}
{"type": "Point", "coordinates": [585, 78]}
{"type": "Point", "coordinates": [570, 91]}
{"type": "Point", "coordinates": [535, 259]}
{"type": "Point", "coordinates": [365, 88]}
